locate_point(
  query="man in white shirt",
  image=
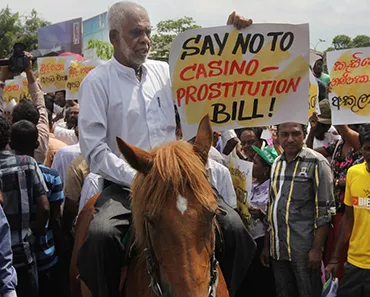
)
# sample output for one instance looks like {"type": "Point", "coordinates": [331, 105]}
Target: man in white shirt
{"type": "Point", "coordinates": [129, 97]}
{"type": "Point", "coordinates": [63, 159]}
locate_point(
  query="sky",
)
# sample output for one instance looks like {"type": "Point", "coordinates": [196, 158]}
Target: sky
{"type": "Point", "coordinates": [327, 18]}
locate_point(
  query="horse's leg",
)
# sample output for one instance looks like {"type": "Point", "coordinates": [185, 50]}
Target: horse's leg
{"type": "Point", "coordinates": [82, 226]}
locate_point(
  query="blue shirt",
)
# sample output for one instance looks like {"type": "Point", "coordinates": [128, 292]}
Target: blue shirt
{"type": "Point", "coordinates": [8, 276]}
{"type": "Point", "coordinates": [45, 253]}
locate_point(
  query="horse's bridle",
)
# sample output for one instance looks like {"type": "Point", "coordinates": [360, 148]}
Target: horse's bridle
{"type": "Point", "coordinates": [153, 268]}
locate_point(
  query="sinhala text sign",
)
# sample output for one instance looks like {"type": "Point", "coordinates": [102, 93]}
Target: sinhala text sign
{"type": "Point", "coordinates": [350, 81]}
{"type": "Point", "coordinates": [257, 76]}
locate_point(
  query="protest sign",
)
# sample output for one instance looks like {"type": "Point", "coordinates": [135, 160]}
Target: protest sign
{"type": "Point", "coordinates": [313, 98]}
{"type": "Point", "coordinates": [350, 81]}
{"type": "Point", "coordinates": [77, 70]}
{"type": "Point", "coordinates": [251, 77]}
{"type": "Point", "coordinates": [53, 73]}
{"type": "Point", "coordinates": [267, 135]}
{"type": "Point", "coordinates": [241, 175]}
{"type": "Point", "coordinates": [12, 90]}
{"type": "Point", "coordinates": [24, 86]}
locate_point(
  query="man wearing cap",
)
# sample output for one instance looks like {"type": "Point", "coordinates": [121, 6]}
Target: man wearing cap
{"type": "Point", "coordinates": [298, 217]}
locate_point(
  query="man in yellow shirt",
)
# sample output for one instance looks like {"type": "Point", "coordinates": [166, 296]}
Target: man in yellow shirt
{"type": "Point", "coordinates": [355, 227]}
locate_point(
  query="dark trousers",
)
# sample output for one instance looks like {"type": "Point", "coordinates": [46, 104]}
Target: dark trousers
{"type": "Point", "coordinates": [100, 258]}
{"type": "Point", "coordinates": [239, 247]}
{"type": "Point", "coordinates": [49, 284]}
{"type": "Point", "coordinates": [355, 282]}
{"type": "Point", "coordinates": [259, 281]}
{"type": "Point", "coordinates": [27, 281]}
{"type": "Point", "coordinates": [295, 279]}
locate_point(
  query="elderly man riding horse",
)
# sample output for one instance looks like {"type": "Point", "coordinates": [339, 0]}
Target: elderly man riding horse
{"type": "Point", "coordinates": [131, 97]}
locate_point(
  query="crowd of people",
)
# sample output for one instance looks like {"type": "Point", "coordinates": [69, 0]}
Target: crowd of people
{"type": "Point", "coordinates": [309, 206]}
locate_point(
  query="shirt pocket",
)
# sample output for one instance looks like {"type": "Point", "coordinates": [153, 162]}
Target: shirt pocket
{"type": "Point", "coordinates": [166, 110]}
{"type": "Point", "coordinates": [302, 200]}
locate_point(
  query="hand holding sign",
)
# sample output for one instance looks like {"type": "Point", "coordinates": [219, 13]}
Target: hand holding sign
{"type": "Point", "coordinates": [238, 21]}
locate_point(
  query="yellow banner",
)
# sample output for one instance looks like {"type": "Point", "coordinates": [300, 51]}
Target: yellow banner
{"type": "Point", "coordinates": [77, 71]}
{"type": "Point", "coordinates": [241, 175]}
{"type": "Point", "coordinates": [24, 87]}
{"type": "Point", "coordinates": [251, 77]}
{"type": "Point", "coordinates": [350, 85]}
{"type": "Point", "coordinates": [313, 98]}
{"type": "Point", "coordinates": [12, 90]}
{"type": "Point", "coordinates": [53, 73]}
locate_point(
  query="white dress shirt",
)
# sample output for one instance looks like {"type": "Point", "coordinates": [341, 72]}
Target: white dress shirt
{"type": "Point", "coordinates": [68, 136]}
{"type": "Point", "coordinates": [63, 159]}
{"type": "Point", "coordinates": [113, 102]}
{"type": "Point", "coordinates": [92, 185]}
{"type": "Point", "coordinates": [215, 155]}
{"type": "Point", "coordinates": [220, 178]}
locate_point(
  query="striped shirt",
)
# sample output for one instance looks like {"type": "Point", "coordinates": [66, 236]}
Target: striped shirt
{"type": "Point", "coordinates": [22, 183]}
{"type": "Point", "coordinates": [298, 203]}
{"type": "Point", "coordinates": [8, 276]}
{"type": "Point", "coordinates": [45, 253]}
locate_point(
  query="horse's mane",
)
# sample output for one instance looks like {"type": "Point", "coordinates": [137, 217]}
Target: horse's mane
{"type": "Point", "coordinates": [175, 168]}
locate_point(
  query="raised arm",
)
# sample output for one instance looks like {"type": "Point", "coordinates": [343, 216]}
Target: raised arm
{"type": "Point", "coordinates": [67, 136]}
{"type": "Point", "coordinates": [350, 136]}
{"type": "Point", "coordinates": [93, 126]}
{"type": "Point", "coordinates": [37, 97]}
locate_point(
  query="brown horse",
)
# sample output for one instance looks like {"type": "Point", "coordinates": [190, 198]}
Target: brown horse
{"type": "Point", "coordinates": [173, 208]}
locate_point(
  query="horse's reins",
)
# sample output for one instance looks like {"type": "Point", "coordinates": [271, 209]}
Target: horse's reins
{"type": "Point", "coordinates": [153, 268]}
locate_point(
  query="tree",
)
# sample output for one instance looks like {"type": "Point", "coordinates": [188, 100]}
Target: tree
{"type": "Point", "coordinates": [31, 25]}
{"type": "Point", "coordinates": [15, 28]}
{"type": "Point", "coordinates": [166, 32]}
{"type": "Point", "coordinates": [10, 27]}
{"type": "Point", "coordinates": [342, 42]}
{"type": "Point", "coordinates": [330, 49]}
{"type": "Point", "coordinates": [104, 50]}
{"type": "Point", "coordinates": [361, 41]}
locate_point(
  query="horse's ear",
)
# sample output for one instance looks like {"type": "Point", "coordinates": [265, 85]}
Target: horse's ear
{"type": "Point", "coordinates": [203, 140]}
{"type": "Point", "coordinates": [139, 159]}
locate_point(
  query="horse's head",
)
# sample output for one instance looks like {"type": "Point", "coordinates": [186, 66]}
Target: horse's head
{"type": "Point", "coordinates": [174, 208]}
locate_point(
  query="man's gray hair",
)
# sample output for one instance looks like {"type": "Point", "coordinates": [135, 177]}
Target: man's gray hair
{"type": "Point", "coordinates": [118, 13]}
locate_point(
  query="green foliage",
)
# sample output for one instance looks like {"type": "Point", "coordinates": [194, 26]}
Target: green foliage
{"type": "Point", "coordinates": [104, 50]}
{"type": "Point", "coordinates": [345, 42]}
{"type": "Point", "coordinates": [361, 41]}
{"type": "Point", "coordinates": [342, 42]}
{"type": "Point", "coordinates": [15, 28]}
{"type": "Point", "coordinates": [166, 32]}
{"type": "Point", "coordinates": [31, 25]}
{"type": "Point", "coordinates": [10, 27]}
